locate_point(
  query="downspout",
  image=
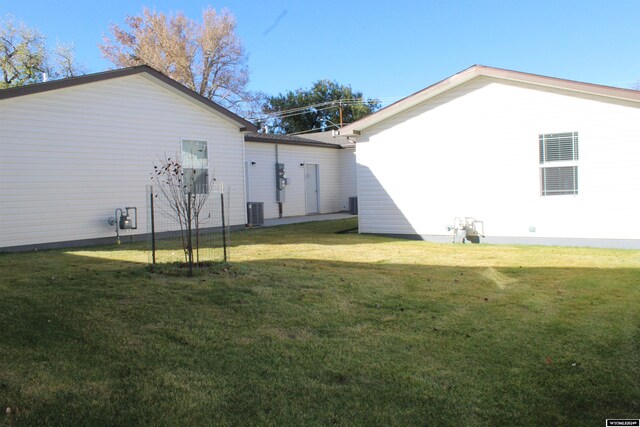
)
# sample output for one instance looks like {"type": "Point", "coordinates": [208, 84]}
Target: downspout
{"type": "Point", "coordinates": [279, 203]}
{"type": "Point", "coordinates": [245, 174]}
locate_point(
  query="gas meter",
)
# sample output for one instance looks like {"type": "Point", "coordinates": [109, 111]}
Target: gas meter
{"type": "Point", "coordinates": [124, 220]}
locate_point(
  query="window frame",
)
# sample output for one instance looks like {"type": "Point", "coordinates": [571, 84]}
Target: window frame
{"type": "Point", "coordinates": [194, 168]}
{"type": "Point", "coordinates": [558, 164]}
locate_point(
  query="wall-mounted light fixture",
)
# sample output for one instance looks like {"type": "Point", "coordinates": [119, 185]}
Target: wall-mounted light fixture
{"type": "Point", "coordinates": [253, 163]}
{"type": "Point", "coordinates": [302, 164]}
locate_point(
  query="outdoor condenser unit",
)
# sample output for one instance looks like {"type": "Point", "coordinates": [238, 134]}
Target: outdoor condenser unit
{"type": "Point", "coordinates": [353, 205]}
{"type": "Point", "coordinates": [255, 213]}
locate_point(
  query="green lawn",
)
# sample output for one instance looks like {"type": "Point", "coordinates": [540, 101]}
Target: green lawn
{"type": "Point", "coordinates": [310, 327]}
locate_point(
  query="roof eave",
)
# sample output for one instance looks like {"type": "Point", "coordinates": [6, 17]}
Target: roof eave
{"type": "Point", "coordinates": [242, 124]}
{"type": "Point", "coordinates": [356, 128]}
{"type": "Point", "coordinates": [562, 84]}
{"type": "Point", "coordinates": [34, 88]}
{"type": "Point", "coordinates": [308, 142]}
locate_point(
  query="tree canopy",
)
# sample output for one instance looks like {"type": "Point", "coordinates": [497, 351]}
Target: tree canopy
{"type": "Point", "coordinates": [325, 106]}
{"type": "Point", "coordinates": [207, 57]}
{"type": "Point", "coordinates": [24, 57]}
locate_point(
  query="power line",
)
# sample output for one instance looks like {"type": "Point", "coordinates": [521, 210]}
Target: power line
{"type": "Point", "coordinates": [320, 104]}
{"type": "Point", "coordinates": [312, 108]}
{"type": "Point", "coordinates": [315, 129]}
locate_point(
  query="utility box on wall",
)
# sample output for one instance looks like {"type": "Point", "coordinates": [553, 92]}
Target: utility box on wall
{"type": "Point", "coordinates": [277, 175]}
{"type": "Point", "coordinates": [281, 182]}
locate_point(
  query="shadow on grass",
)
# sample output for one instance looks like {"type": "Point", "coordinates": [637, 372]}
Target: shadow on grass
{"type": "Point", "coordinates": [329, 233]}
{"type": "Point", "coordinates": [303, 341]}
{"type": "Point", "coordinates": [170, 250]}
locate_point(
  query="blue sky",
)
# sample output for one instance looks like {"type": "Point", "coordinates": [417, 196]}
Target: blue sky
{"type": "Point", "coordinates": [386, 49]}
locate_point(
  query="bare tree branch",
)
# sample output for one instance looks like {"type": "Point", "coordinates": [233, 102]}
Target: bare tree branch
{"type": "Point", "coordinates": [207, 57]}
{"type": "Point", "coordinates": [185, 202]}
{"type": "Point", "coordinates": [65, 60]}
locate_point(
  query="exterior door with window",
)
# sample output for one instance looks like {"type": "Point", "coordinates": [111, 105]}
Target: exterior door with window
{"type": "Point", "coordinates": [311, 184]}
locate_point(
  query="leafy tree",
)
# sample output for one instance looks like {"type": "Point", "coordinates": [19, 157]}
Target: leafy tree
{"type": "Point", "coordinates": [64, 58]}
{"type": "Point", "coordinates": [326, 105]}
{"type": "Point", "coordinates": [207, 57]}
{"type": "Point", "coordinates": [24, 56]}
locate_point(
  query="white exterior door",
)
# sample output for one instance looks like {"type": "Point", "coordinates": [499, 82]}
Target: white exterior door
{"type": "Point", "coordinates": [311, 186]}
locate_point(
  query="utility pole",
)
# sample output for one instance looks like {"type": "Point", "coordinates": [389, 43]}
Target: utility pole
{"type": "Point", "coordinates": [340, 105]}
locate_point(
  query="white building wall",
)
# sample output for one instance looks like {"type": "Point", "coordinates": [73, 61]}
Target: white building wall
{"type": "Point", "coordinates": [70, 157]}
{"type": "Point", "coordinates": [473, 151]}
{"type": "Point", "coordinates": [261, 177]}
{"type": "Point", "coordinates": [261, 180]}
{"type": "Point", "coordinates": [348, 176]}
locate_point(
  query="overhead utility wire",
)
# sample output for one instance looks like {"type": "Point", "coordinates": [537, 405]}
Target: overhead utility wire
{"type": "Point", "coordinates": [294, 114]}
{"type": "Point", "coordinates": [320, 104]}
{"type": "Point", "coordinates": [316, 129]}
{"type": "Point", "coordinates": [345, 101]}
{"type": "Point", "coordinates": [311, 108]}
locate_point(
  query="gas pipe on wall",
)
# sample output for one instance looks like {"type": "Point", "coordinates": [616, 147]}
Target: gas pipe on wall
{"type": "Point", "coordinates": [124, 220]}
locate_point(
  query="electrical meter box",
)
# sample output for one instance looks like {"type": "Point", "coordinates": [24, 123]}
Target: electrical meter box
{"type": "Point", "coordinates": [281, 182]}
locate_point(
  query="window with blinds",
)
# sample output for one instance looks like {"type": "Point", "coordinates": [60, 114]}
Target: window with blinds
{"type": "Point", "coordinates": [559, 163]}
{"type": "Point", "coordinates": [559, 180]}
{"type": "Point", "coordinates": [195, 166]}
{"type": "Point", "coordinates": [557, 147]}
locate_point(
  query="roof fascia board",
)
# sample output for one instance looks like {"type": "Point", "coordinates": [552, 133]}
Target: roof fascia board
{"type": "Point", "coordinates": [190, 95]}
{"type": "Point", "coordinates": [556, 83]}
{"type": "Point", "coordinates": [249, 138]}
{"type": "Point", "coordinates": [31, 89]}
{"type": "Point", "coordinates": [356, 128]}
{"type": "Point", "coordinates": [242, 124]}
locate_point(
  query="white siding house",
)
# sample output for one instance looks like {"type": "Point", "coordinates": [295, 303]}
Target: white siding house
{"type": "Point", "coordinates": [348, 176]}
{"type": "Point", "coordinates": [346, 165]}
{"type": "Point", "coordinates": [537, 159]}
{"type": "Point", "coordinates": [74, 150]}
{"type": "Point", "coordinates": [313, 168]}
